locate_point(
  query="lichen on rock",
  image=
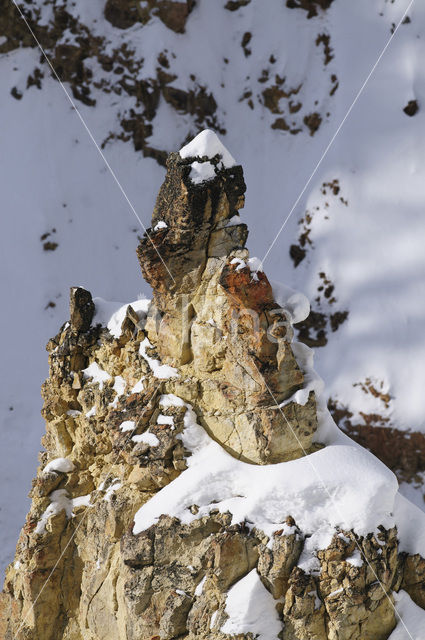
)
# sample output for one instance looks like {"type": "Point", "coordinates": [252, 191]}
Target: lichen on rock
{"type": "Point", "coordinates": [190, 467]}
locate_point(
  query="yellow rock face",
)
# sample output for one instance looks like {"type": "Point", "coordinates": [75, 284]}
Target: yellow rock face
{"type": "Point", "coordinates": [79, 572]}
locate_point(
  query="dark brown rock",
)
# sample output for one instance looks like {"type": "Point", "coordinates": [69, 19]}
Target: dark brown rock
{"type": "Point", "coordinates": [313, 122]}
{"type": "Point", "coordinates": [234, 5]}
{"type": "Point", "coordinates": [122, 13]}
{"type": "Point", "coordinates": [173, 14]}
{"type": "Point", "coordinates": [125, 13]}
{"type": "Point", "coordinates": [172, 579]}
{"type": "Point", "coordinates": [412, 108]}
{"type": "Point", "coordinates": [310, 6]}
{"type": "Point", "coordinates": [81, 309]}
{"type": "Point", "coordinates": [191, 213]}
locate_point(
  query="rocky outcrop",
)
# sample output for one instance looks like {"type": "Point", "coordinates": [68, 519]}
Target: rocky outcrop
{"type": "Point", "coordinates": [125, 13]}
{"type": "Point", "coordinates": [71, 44]}
{"type": "Point", "coordinates": [127, 408]}
{"type": "Point", "coordinates": [215, 318]}
{"type": "Point", "coordinates": [97, 61]}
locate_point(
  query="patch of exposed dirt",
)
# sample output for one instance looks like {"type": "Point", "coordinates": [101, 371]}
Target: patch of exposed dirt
{"type": "Point", "coordinates": [313, 122]}
{"type": "Point", "coordinates": [335, 84]}
{"type": "Point", "coordinates": [50, 246]}
{"type": "Point", "coordinates": [325, 40]}
{"type": "Point", "coordinates": [246, 39]}
{"type": "Point", "coordinates": [403, 452]}
{"type": "Point", "coordinates": [234, 5]}
{"type": "Point", "coordinates": [298, 251]}
{"type": "Point", "coordinates": [376, 389]}
{"type": "Point", "coordinates": [279, 99]}
{"type": "Point", "coordinates": [312, 7]}
{"type": "Point", "coordinates": [313, 331]}
{"type": "Point", "coordinates": [124, 14]}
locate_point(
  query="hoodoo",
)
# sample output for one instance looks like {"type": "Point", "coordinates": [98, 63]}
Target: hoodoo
{"type": "Point", "coordinates": [193, 484]}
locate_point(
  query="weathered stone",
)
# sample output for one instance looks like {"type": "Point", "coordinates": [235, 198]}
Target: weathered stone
{"type": "Point", "coordinates": [80, 573]}
{"type": "Point", "coordinates": [310, 6]}
{"type": "Point", "coordinates": [276, 563]}
{"type": "Point", "coordinates": [412, 108]}
{"type": "Point", "coordinates": [218, 321]}
{"type": "Point", "coordinates": [81, 309]}
{"type": "Point", "coordinates": [125, 13]}
{"type": "Point", "coordinates": [414, 578]}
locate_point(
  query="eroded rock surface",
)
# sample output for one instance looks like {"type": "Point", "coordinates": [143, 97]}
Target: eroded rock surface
{"type": "Point", "coordinates": [218, 321]}
{"type": "Point", "coordinates": [215, 347]}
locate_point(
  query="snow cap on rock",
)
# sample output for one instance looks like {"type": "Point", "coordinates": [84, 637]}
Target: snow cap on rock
{"type": "Point", "coordinates": [207, 144]}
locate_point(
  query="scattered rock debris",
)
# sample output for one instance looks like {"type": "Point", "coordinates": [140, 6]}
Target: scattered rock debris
{"type": "Point", "coordinates": [50, 246]}
{"type": "Point", "coordinates": [246, 39]}
{"type": "Point", "coordinates": [298, 251]}
{"type": "Point", "coordinates": [376, 389]}
{"type": "Point", "coordinates": [120, 70]}
{"type": "Point", "coordinates": [325, 39]}
{"type": "Point", "coordinates": [313, 122]}
{"type": "Point", "coordinates": [16, 93]}
{"type": "Point", "coordinates": [314, 330]}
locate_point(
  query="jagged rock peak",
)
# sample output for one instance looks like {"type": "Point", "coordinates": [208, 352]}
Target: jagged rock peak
{"type": "Point", "coordinates": [146, 521]}
{"type": "Point", "coordinates": [216, 312]}
{"type": "Point", "coordinates": [194, 217]}
{"type": "Point", "coordinates": [81, 308]}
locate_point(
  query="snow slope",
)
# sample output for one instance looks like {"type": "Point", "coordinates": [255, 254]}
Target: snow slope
{"type": "Point", "coordinates": [371, 249]}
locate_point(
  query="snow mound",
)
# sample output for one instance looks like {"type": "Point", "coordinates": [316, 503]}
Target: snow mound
{"type": "Point", "coordinates": [63, 465]}
{"type": "Point", "coordinates": [60, 501]}
{"type": "Point", "coordinates": [254, 265]}
{"type": "Point", "coordinates": [296, 304]}
{"type": "Point", "coordinates": [112, 314]}
{"type": "Point", "coordinates": [339, 486]}
{"type": "Point", "coordinates": [147, 438]}
{"type": "Point", "coordinates": [251, 608]}
{"type": "Point", "coordinates": [412, 619]}
{"type": "Point", "coordinates": [312, 381]}
{"type": "Point", "coordinates": [410, 525]}
{"type": "Point", "coordinates": [161, 371]}
{"type": "Point", "coordinates": [202, 172]}
{"type": "Point", "coordinates": [97, 374]}
{"type": "Point", "coordinates": [207, 144]}
{"type": "Point", "coordinates": [127, 425]}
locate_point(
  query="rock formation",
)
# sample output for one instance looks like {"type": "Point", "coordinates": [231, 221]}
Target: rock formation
{"type": "Point", "coordinates": [204, 383]}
